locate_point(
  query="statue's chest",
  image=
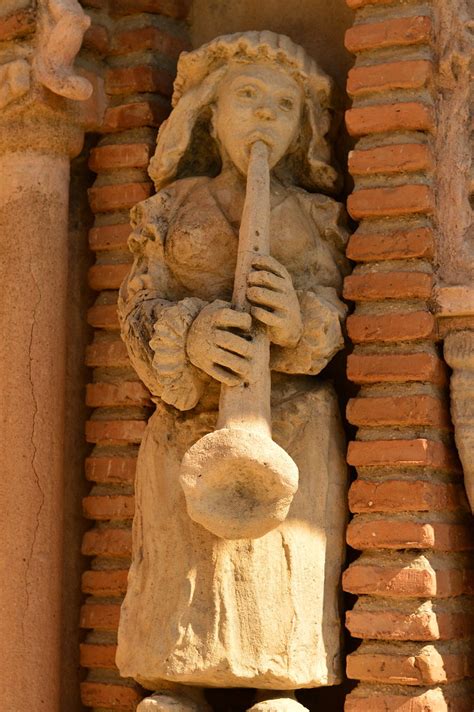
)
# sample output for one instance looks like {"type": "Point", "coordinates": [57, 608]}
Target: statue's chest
{"type": "Point", "coordinates": [201, 246]}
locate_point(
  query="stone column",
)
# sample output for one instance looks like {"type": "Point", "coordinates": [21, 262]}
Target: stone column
{"type": "Point", "coordinates": [40, 131]}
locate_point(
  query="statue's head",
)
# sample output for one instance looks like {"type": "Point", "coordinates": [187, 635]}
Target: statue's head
{"type": "Point", "coordinates": [241, 88]}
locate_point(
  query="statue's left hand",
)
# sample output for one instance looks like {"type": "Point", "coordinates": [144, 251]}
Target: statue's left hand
{"type": "Point", "coordinates": [274, 301]}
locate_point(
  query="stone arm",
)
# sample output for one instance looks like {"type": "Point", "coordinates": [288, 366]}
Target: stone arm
{"type": "Point", "coordinates": [322, 311]}
{"type": "Point", "coordinates": [154, 321]}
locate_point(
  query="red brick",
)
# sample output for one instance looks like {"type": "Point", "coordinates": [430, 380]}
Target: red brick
{"type": "Point", "coordinates": [172, 8]}
{"type": "Point", "coordinates": [17, 25]}
{"type": "Point", "coordinates": [391, 202]}
{"type": "Point", "coordinates": [408, 74]}
{"type": "Point", "coordinates": [404, 496]}
{"type": "Point", "coordinates": [390, 533]}
{"type": "Point", "coordinates": [115, 430]}
{"type": "Point", "coordinates": [110, 582]}
{"type": "Point", "coordinates": [103, 316]}
{"type": "Point", "coordinates": [151, 38]}
{"type": "Point", "coordinates": [108, 697]}
{"type": "Point", "coordinates": [391, 327]}
{"type": "Point", "coordinates": [399, 245]}
{"type": "Point", "coordinates": [133, 80]}
{"type": "Point", "coordinates": [396, 158]}
{"type": "Point", "coordinates": [111, 469]}
{"type": "Point", "coordinates": [404, 116]}
{"type": "Point", "coordinates": [396, 368]}
{"type": "Point", "coordinates": [108, 276]}
{"type": "Point", "coordinates": [401, 31]}
{"type": "Point", "coordinates": [405, 581]}
{"type": "Point", "coordinates": [425, 701]}
{"type": "Point", "coordinates": [118, 196]}
{"type": "Point", "coordinates": [398, 625]}
{"type": "Point", "coordinates": [388, 285]}
{"type": "Point", "coordinates": [425, 667]}
{"type": "Point", "coordinates": [96, 39]}
{"type": "Point", "coordinates": [419, 452]}
{"type": "Point", "coordinates": [111, 542]}
{"type": "Point", "coordinates": [106, 507]}
{"type": "Point", "coordinates": [132, 116]}
{"type": "Point", "coordinates": [398, 410]}
{"type": "Point", "coordinates": [109, 237]}
{"type": "Point", "coordinates": [110, 395]}
{"type": "Point", "coordinates": [119, 155]}
{"type": "Point", "coordinates": [107, 354]}
{"type": "Point", "coordinates": [98, 656]}
{"type": "Point", "coordinates": [102, 616]}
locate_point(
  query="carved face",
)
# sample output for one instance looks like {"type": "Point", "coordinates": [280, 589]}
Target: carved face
{"type": "Point", "coordinates": [257, 102]}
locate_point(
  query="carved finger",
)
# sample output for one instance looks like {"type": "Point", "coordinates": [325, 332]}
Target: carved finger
{"type": "Point", "coordinates": [272, 319]}
{"type": "Point", "coordinates": [224, 376]}
{"type": "Point", "coordinates": [233, 343]}
{"type": "Point", "coordinates": [263, 278]}
{"type": "Point", "coordinates": [269, 263]}
{"type": "Point", "coordinates": [230, 318]}
{"type": "Point", "coordinates": [267, 297]}
{"type": "Point", "coordinates": [233, 362]}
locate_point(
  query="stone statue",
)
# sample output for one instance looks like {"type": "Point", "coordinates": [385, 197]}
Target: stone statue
{"type": "Point", "coordinates": [235, 572]}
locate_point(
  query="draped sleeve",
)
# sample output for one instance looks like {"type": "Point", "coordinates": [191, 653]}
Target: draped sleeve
{"type": "Point", "coordinates": [322, 309]}
{"type": "Point", "coordinates": [154, 320]}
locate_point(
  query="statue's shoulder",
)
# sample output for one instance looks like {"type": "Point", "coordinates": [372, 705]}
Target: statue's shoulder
{"type": "Point", "coordinates": [328, 214]}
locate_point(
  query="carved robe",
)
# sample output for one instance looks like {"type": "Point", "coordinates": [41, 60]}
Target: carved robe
{"type": "Point", "coordinates": [202, 610]}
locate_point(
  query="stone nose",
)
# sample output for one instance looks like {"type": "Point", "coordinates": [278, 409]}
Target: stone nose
{"type": "Point", "coordinates": [265, 112]}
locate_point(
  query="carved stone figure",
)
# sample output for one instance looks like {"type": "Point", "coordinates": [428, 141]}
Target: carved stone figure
{"type": "Point", "coordinates": [234, 579]}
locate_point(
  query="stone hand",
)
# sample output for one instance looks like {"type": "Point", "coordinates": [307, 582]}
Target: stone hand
{"type": "Point", "coordinates": [214, 346]}
{"type": "Point", "coordinates": [274, 300]}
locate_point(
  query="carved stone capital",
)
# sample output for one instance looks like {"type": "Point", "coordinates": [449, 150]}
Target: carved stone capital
{"type": "Point", "coordinates": [40, 93]}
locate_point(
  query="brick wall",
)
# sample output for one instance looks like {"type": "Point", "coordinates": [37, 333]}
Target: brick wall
{"type": "Point", "coordinates": [139, 41]}
{"type": "Point", "coordinates": [414, 575]}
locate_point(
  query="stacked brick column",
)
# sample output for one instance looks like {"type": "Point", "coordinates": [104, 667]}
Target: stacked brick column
{"type": "Point", "coordinates": [141, 41]}
{"type": "Point", "coordinates": [410, 514]}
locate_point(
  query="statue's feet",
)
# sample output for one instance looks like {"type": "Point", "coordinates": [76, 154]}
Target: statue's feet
{"type": "Point", "coordinates": [277, 701]}
{"type": "Point", "coordinates": [170, 701]}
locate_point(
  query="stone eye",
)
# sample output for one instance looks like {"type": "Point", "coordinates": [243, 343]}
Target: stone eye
{"type": "Point", "coordinates": [246, 92]}
{"type": "Point", "coordinates": [286, 104]}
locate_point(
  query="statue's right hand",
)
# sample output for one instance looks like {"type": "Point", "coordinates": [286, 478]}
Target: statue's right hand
{"type": "Point", "coordinates": [214, 346]}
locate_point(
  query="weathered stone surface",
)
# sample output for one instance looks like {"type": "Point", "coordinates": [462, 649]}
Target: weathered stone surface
{"type": "Point", "coordinates": [186, 343]}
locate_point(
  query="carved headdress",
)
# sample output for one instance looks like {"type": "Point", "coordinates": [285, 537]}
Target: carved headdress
{"type": "Point", "coordinates": [181, 139]}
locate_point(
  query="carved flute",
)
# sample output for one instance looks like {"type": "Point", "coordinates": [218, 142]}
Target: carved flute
{"type": "Point", "coordinates": [238, 483]}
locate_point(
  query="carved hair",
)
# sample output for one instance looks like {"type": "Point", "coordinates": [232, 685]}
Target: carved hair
{"type": "Point", "coordinates": [181, 139]}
